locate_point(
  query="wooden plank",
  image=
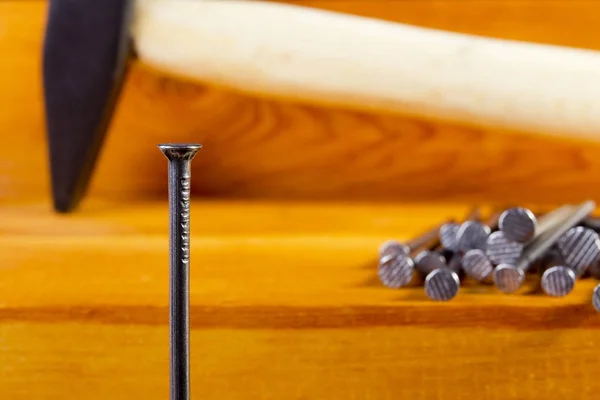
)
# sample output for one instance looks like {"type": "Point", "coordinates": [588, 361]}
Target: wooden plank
{"type": "Point", "coordinates": [263, 149]}
{"type": "Point", "coordinates": [99, 361]}
{"type": "Point", "coordinates": [285, 304]}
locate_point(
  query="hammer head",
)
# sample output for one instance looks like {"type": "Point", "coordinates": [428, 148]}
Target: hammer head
{"type": "Point", "coordinates": [86, 49]}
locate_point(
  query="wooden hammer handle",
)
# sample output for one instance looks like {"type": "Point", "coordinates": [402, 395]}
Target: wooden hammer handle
{"type": "Point", "coordinates": [304, 54]}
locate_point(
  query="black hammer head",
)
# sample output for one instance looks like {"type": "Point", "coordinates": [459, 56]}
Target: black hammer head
{"type": "Point", "coordinates": [86, 52]}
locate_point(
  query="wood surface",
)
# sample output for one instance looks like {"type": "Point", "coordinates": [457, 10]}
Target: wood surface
{"type": "Point", "coordinates": [285, 304]}
{"type": "Point", "coordinates": [260, 149]}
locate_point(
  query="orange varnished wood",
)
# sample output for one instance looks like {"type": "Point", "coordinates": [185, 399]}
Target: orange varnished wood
{"type": "Point", "coordinates": [285, 301]}
{"type": "Point", "coordinates": [265, 149]}
{"type": "Point", "coordinates": [285, 304]}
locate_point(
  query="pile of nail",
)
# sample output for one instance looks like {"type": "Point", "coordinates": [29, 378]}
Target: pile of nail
{"type": "Point", "coordinates": [558, 247]}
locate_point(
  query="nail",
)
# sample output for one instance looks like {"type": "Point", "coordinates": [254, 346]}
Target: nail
{"type": "Point", "coordinates": [449, 231]}
{"type": "Point", "coordinates": [448, 236]}
{"type": "Point", "coordinates": [596, 298]}
{"type": "Point", "coordinates": [509, 277]}
{"type": "Point", "coordinates": [392, 248]}
{"type": "Point", "coordinates": [473, 234]}
{"type": "Point", "coordinates": [557, 279]}
{"type": "Point", "coordinates": [477, 266]}
{"type": "Point", "coordinates": [546, 220]}
{"type": "Point", "coordinates": [517, 224]}
{"type": "Point", "coordinates": [430, 260]}
{"type": "Point", "coordinates": [442, 284]}
{"type": "Point", "coordinates": [580, 248]}
{"type": "Point", "coordinates": [180, 157]}
{"type": "Point", "coordinates": [396, 265]}
{"type": "Point", "coordinates": [501, 250]}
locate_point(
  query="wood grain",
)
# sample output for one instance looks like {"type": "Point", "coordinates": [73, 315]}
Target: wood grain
{"type": "Point", "coordinates": [260, 149]}
{"type": "Point", "coordinates": [285, 304]}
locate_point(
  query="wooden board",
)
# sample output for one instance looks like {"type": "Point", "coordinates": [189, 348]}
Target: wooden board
{"type": "Point", "coordinates": [259, 149]}
{"type": "Point", "coordinates": [285, 305]}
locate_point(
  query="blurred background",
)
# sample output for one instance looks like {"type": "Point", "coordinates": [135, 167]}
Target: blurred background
{"type": "Point", "coordinates": [263, 149]}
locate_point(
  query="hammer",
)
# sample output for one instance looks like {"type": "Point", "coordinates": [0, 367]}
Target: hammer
{"type": "Point", "coordinates": [299, 54]}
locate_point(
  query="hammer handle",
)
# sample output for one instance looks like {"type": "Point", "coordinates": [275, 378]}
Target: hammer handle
{"type": "Point", "coordinates": [303, 54]}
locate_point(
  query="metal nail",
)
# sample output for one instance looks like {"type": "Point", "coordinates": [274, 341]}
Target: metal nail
{"type": "Point", "coordinates": [449, 231]}
{"type": "Point", "coordinates": [472, 235]}
{"type": "Point", "coordinates": [396, 265]}
{"type": "Point", "coordinates": [392, 248]}
{"type": "Point", "coordinates": [430, 260]}
{"type": "Point", "coordinates": [509, 277]}
{"type": "Point", "coordinates": [580, 248]}
{"type": "Point", "coordinates": [546, 220]}
{"type": "Point", "coordinates": [180, 157]}
{"type": "Point", "coordinates": [448, 236]}
{"type": "Point", "coordinates": [596, 298]}
{"type": "Point", "coordinates": [442, 284]}
{"type": "Point", "coordinates": [517, 224]}
{"type": "Point", "coordinates": [502, 250]}
{"type": "Point", "coordinates": [557, 280]}
{"type": "Point", "coordinates": [477, 266]}
{"type": "Point", "coordinates": [396, 272]}
{"type": "Point", "coordinates": [454, 261]}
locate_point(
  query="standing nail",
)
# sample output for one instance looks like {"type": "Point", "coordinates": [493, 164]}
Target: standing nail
{"type": "Point", "coordinates": [508, 277]}
{"type": "Point", "coordinates": [180, 157]}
